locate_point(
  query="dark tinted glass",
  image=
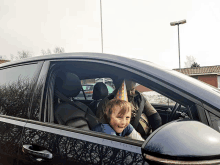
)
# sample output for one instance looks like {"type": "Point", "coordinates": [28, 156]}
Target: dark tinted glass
{"type": "Point", "coordinates": [16, 84]}
{"type": "Point", "coordinates": [37, 98]}
{"type": "Point", "coordinates": [215, 121]}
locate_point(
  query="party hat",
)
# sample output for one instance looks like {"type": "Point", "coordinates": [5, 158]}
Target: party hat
{"type": "Point", "coordinates": [122, 92]}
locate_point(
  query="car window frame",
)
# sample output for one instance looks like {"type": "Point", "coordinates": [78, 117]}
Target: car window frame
{"type": "Point", "coordinates": [144, 75]}
{"type": "Point", "coordinates": [90, 133]}
{"type": "Point", "coordinates": [132, 70]}
{"type": "Point", "coordinates": [72, 129]}
{"type": "Point", "coordinates": [42, 75]}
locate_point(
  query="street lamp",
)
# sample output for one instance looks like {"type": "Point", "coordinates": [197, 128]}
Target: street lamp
{"type": "Point", "coordinates": [174, 24]}
{"type": "Point", "coordinates": [101, 24]}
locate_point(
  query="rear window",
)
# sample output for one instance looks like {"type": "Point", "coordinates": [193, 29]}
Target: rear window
{"type": "Point", "coordinates": [88, 85]}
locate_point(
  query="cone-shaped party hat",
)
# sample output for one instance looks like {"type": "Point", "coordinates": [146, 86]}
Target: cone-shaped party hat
{"type": "Point", "coordinates": [122, 92]}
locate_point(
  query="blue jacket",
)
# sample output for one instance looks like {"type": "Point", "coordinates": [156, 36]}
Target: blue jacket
{"type": "Point", "coordinates": [106, 128]}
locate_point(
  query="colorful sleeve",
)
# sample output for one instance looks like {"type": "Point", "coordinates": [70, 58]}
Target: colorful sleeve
{"type": "Point", "coordinates": [128, 130]}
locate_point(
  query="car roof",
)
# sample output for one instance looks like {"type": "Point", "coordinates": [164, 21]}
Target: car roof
{"type": "Point", "coordinates": [80, 55]}
{"type": "Point", "coordinates": [209, 94]}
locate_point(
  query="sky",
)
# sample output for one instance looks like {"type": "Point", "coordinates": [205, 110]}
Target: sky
{"type": "Point", "coordinates": [131, 28]}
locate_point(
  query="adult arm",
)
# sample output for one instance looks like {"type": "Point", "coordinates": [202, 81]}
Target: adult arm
{"type": "Point", "coordinates": [132, 133]}
{"type": "Point", "coordinates": [152, 115]}
{"type": "Point", "coordinates": [135, 135]}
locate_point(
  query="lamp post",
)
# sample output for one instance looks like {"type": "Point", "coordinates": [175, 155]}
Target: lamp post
{"type": "Point", "coordinates": [101, 24]}
{"type": "Point", "coordinates": [174, 24]}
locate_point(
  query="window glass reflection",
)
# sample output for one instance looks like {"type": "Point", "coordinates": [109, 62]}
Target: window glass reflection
{"type": "Point", "coordinates": [10, 75]}
{"type": "Point", "coordinates": [15, 90]}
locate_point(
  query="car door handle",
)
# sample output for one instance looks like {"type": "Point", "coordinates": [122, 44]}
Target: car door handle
{"type": "Point", "coordinates": [29, 149]}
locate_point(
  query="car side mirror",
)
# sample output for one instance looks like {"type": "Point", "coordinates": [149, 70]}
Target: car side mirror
{"type": "Point", "coordinates": [182, 142]}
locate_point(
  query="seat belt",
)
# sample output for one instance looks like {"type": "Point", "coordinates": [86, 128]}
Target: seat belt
{"type": "Point", "coordinates": [64, 98]}
{"type": "Point", "coordinates": [138, 114]}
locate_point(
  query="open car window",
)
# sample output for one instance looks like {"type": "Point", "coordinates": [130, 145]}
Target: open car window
{"type": "Point", "coordinates": [112, 76]}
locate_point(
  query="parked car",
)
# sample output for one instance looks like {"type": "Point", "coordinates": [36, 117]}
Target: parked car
{"type": "Point", "coordinates": [39, 124]}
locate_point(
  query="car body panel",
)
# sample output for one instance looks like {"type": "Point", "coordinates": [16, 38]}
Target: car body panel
{"type": "Point", "coordinates": [16, 98]}
{"type": "Point", "coordinates": [10, 136]}
{"type": "Point", "coordinates": [70, 145]}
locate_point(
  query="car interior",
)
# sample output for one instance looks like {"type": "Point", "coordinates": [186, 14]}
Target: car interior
{"type": "Point", "coordinates": [71, 113]}
{"type": "Point", "coordinates": [64, 84]}
{"type": "Point", "coordinates": [100, 91]}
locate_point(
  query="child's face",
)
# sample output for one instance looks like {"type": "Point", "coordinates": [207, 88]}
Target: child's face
{"type": "Point", "coordinates": [118, 121]}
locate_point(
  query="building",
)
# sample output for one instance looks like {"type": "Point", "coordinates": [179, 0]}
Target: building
{"type": "Point", "coordinates": [207, 74]}
{"type": "Point", "coordinates": [3, 61]}
{"type": "Point", "coordinates": [141, 88]}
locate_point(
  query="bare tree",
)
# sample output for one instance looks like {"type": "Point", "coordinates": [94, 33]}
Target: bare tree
{"type": "Point", "coordinates": [48, 51]}
{"type": "Point", "coordinates": [24, 54]}
{"type": "Point", "coordinates": [195, 65]}
{"type": "Point", "coordinates": [4, 57]}
{"type": "Point", "coordinates": [12, 57]}
{"type": "Point", "coordinates": [189, 61]}
{"type": "Point", "coordinates": [58, 50]}
{"type": "Point", "coordinates": [45, 52]}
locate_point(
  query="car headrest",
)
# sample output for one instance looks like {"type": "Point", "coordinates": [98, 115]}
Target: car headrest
{"type": "Point", "coordinates": [68, 84]}
{"type": "Point", "coordinates": [100, 91]}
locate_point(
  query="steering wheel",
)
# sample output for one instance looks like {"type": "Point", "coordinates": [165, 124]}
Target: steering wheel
{"type": "Point", "coordinates": [173, 113]}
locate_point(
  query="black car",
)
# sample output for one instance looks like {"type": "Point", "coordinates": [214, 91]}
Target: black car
{"type": "Point", "coordinates": [40, 124]}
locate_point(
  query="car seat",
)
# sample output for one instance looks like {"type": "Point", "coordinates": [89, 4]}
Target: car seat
{"type": "Point", "coordinates": [72, 113]}
{"type": "Point", "coordinates": [100, 91]}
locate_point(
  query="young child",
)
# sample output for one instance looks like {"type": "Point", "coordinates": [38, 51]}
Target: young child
{"type": "Point", "coordinates": [118, 116]}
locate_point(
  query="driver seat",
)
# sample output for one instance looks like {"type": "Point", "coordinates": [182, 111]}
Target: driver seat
{"type": "Point", "coordinates": [72, 113]}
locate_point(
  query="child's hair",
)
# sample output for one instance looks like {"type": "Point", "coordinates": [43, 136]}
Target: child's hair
{"type": "Point", "coordinates": [124, 105]}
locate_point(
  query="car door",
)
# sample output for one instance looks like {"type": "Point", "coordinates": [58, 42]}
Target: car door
{"type": "Point", "coordinates": [45, 142]}
{"type": "Point", "coordinates": [16, 85]}
{"type": "Point", "coordinates": [10, 135]}
{"type": "Point", "coordinates": [50, 144]}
